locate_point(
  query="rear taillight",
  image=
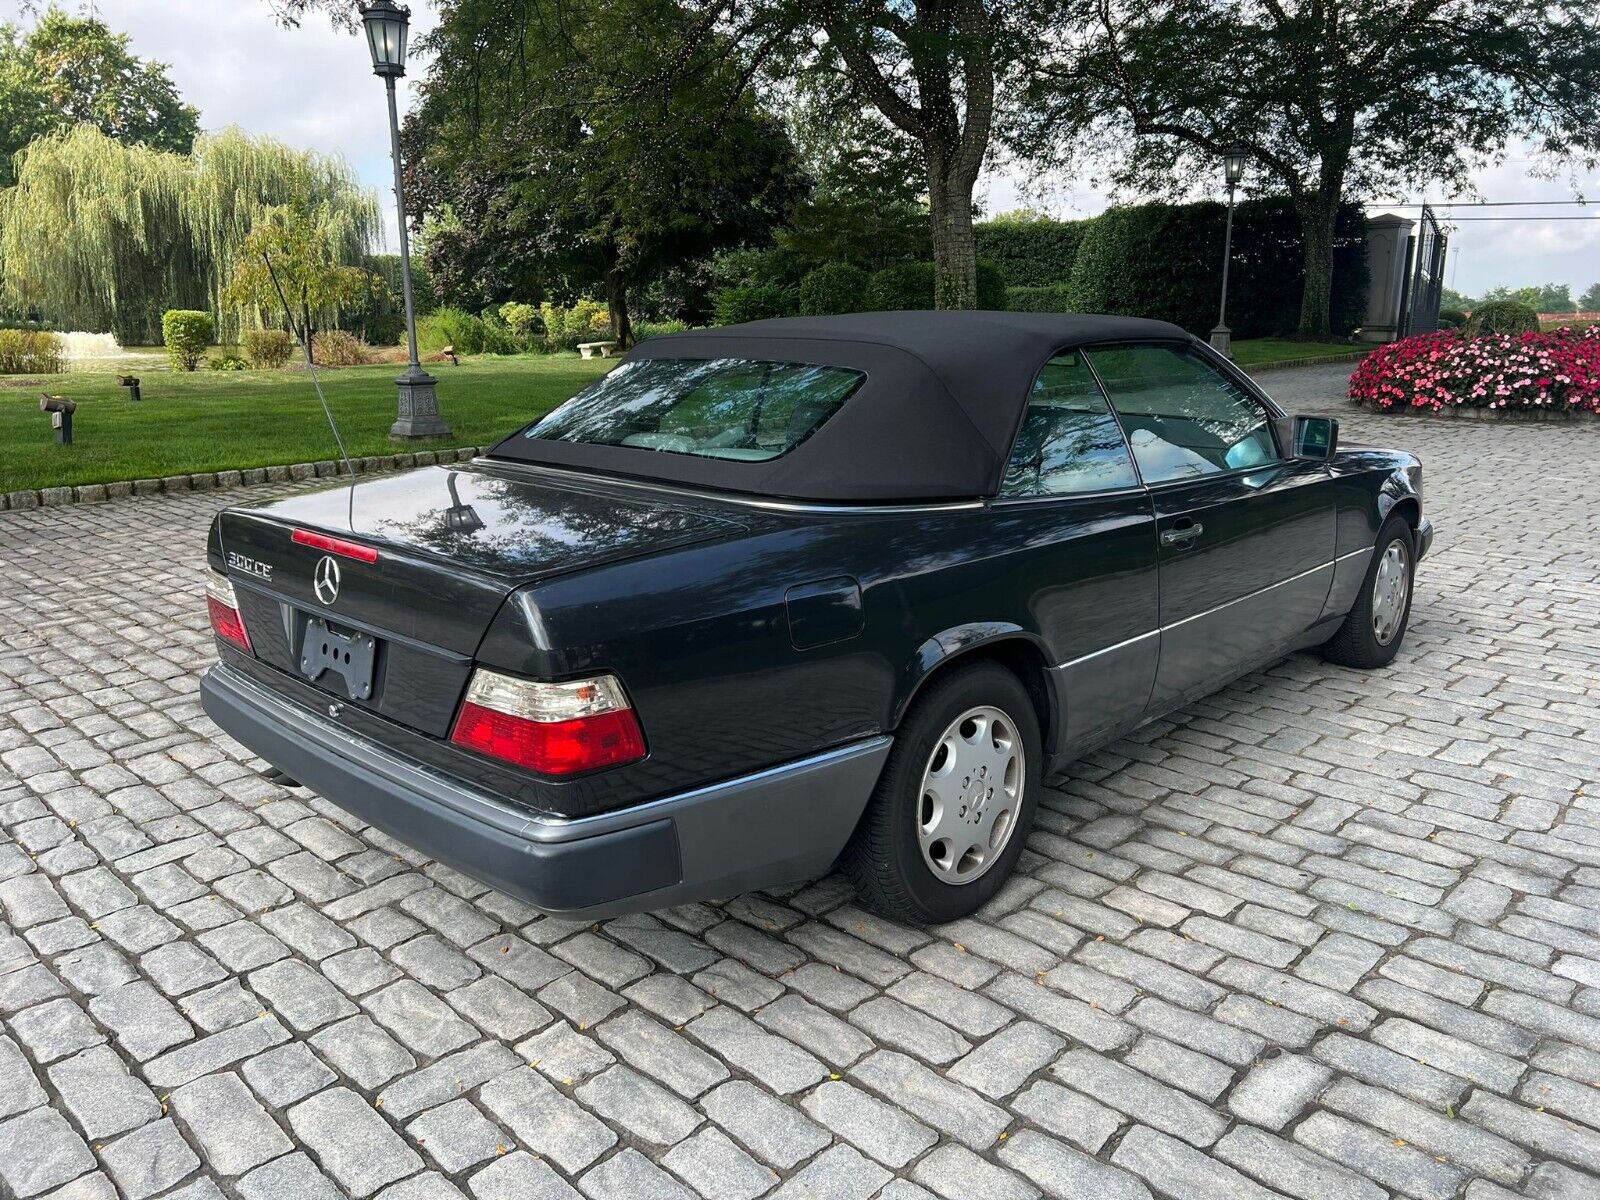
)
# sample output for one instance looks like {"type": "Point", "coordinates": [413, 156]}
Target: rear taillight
{"type": "Point", "coordinates": [223, 605]}
{"type": "Point", "coordinates": [551, 728]}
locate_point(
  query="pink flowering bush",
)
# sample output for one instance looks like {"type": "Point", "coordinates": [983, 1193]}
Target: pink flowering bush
{"type": "Point", "coordinates": [1558, 371]}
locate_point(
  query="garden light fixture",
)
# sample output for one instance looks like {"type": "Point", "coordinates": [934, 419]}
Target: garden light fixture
{"type": "Point", "coordinates": [1233, 161]}
{"type": "Point", "coordinates": [387, 26]}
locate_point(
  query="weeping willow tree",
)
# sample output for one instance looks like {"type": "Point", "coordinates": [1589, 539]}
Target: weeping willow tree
{"type": "Point", "coordinates": [99, 235]}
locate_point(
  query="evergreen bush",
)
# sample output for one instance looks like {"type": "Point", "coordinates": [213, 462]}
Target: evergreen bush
{"type": "Point", "coordinates": [186, 332]}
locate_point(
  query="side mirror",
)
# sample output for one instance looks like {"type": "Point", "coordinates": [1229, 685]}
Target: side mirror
{"type": "Point", "coordinates": [1313, 439]}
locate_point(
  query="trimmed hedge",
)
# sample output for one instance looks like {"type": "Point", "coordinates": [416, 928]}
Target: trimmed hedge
{"type": "Point", "coordinates": [1165, 261]}
{"type": "Point", "coordinates": [736, 305]}
{"type": "Point", "coordinates": [268, 349]}
{"type": "Point", "coordinates": [1032, 252]}
{"type": "Point", "coordinates": [991, 286]}
{"type": "Point", "coordinates": [901, 286]}
{"type": "Point", "coordinates": [834, 288]}
{"type": "Point", "coordinates": [186, 332]}
{"type": "Point", "coordinates": [1051, 299]}
{"type": "Point", "coordinates": [1504, 316]}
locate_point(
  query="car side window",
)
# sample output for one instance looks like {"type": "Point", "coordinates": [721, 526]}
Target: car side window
{"type": "Point", "coordinates": [1183, 416]}
{"type": "Point", "coordinates": [1069, 442]}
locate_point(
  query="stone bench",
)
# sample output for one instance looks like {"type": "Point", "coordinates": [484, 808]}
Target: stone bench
{"type": "Point", "coordinates": [597, 349]}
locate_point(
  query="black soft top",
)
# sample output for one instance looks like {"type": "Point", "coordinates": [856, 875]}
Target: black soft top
{"type": "Point", "coordinates": [934, 420]}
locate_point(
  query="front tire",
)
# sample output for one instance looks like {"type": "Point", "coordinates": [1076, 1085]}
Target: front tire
{"type": "Point", "coordinates": [952, 809]}
{"type": "Point", "coordinates": [1375, 627]}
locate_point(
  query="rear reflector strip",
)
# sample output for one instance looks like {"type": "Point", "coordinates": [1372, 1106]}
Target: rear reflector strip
{"type": "Point", "coordinates": [333, 545]}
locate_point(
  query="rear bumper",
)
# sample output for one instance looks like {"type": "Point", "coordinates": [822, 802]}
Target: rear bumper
{"type": "Point", "coordinates": [779, 825]}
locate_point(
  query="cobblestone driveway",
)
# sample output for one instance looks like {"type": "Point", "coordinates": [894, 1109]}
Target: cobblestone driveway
{"type": "Point", "coordinates": [1325, 934]}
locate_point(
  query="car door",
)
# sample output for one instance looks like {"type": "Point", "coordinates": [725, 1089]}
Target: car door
{"type": "Point", "coordinates": [1072, 499]}
{"type": "Point", "coordinates": [1245, 533]}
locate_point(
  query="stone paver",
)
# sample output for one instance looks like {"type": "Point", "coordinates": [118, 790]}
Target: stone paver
{"type": "Point", "coordinates": [1323, 934]}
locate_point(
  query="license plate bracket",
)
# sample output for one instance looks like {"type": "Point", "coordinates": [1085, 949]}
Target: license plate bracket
{"type": "Point", "coordinates": [351, 656]}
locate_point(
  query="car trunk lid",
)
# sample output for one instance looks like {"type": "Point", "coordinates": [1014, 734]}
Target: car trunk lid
{"type": "Point", "coordinates": [451, 543]}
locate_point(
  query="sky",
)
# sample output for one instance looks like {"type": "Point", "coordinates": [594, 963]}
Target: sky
{"type": "Point", "coordinates": [313, 87]}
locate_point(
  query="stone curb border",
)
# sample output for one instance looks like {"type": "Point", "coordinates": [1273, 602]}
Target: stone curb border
{"type": "Point", "coordinates": [96, 493]}
{"type": "Point", "coordinates": [1285, 364]}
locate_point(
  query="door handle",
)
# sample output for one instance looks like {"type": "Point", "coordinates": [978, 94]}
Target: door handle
{"type": "Point", "coordinates": [1182, 535]}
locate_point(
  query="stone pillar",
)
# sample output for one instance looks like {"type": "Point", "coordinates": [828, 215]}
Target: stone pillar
{"type": "Point", "coordinates": [1388, 243]}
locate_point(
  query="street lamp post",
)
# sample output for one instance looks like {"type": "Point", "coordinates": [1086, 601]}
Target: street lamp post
{"type": "Point", "coordinates": [1233, 160]}
{"type": "Point", "coordinates": [418, 416]}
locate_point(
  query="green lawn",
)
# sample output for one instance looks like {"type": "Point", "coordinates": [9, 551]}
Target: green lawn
{"type": "Point", "coordinates": [222, 420]}
{"type": "Point", "coordinates": [1253, 351]}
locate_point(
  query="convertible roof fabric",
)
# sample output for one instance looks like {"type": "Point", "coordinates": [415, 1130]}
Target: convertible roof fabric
{"type": "Point", "coordinates": [934, 420]}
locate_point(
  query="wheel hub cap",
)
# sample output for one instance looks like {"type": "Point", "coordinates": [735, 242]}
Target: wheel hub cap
{"type": "Point", "coordinates": [1390, 587]}
{"type": "Point", "coordinates": [971, 794]}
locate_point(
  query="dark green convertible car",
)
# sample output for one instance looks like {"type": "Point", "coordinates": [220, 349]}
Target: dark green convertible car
{"type": "Point", "coordinates": [771, 597]}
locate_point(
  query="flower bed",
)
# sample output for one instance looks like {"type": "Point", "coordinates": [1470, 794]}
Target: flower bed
{"type": "Point", "coordinates": [1554, 372]}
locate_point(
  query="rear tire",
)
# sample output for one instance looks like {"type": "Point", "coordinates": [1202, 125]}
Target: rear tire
{"type": "Point", "coordinates": [953, 807]}
{"type": "Point", "coordinates": [1375, 627]}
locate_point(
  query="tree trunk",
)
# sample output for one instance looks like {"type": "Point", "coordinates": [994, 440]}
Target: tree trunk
{"type": "Point", "coordinates": [955, 251]}
{"type": "Point", "coordinates": [617, 302]}
{"type": "Point", "coordinates": [1317, 217]}
{"type": "Point", "coordinates": [311, 340]}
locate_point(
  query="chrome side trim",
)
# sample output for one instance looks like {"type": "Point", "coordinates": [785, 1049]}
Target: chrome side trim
{"type": "Point", "coordinates": [756, 502]}
{"type": "Point", "coordinates": [1112, 649]}
{"type": "Point", "coordinates": [1354, 553]}
{"type": "Point", "coordinates": [1248, 596]}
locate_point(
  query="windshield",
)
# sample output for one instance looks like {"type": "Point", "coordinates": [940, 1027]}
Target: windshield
{"type": "Point", "coordinates": [730, 408]}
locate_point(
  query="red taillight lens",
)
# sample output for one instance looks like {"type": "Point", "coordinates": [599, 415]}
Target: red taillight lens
{"type": "Point", "coordinates": [551, 728]}
{"type": "Point", "coordinates": [333, 545]}
{"type": "Point", "coordinates": [223, 606]}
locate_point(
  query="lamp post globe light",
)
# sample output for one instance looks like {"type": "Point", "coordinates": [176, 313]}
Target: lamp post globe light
{"type": "Point", "coordinates": [1233, 161]}
{"type": "Point", "coordinates": [388, 26]}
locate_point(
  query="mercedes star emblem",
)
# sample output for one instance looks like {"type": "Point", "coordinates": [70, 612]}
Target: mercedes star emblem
{"type": "Point", "coordinates": [326, 580]}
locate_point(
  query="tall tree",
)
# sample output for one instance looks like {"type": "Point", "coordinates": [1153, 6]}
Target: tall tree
{"type": "Point", "coordinates": [581, 147]}
{"type": "Point", "coordinates": [1329, 98]}
{"type": "Point", "coordinates": [100, 235]}
{"type": "Point", "coordinates": [291, 256]}
{"type": "Point", "coordinates": [931, 68]}
{"type": "Point", "coordinates": [68, 70]}
{"type": "Point", "coordinates": [1590, 300]}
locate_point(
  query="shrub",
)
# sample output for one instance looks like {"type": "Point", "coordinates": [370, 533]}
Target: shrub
{"type": "Point", "coordinates": [1503, 316]}
{"type": "Point", "coordinates": [227, 360]}
{"type": "Point", "coordinates": [268, 349]}
{"type": "Point", "coordinates": [1545, 372]}
{"type": "Point", "coordinates": [1452, 318]}
{"type": "Point", "coordinates": [991, 286]}
{"type": "Point", "coordinates": [339, 348]}
{"type": "Point", "coordinates": [835, 287]}
{"type": "Point", "coordinates": [736, 305]}
{"type": "Point", "coordinates": [453, 327]}
{"type": "Point", "coordinates": [586, 321]}
{"type": "Point", "coordinates": [1033, 251]}
{"type": "Point", "coordinates": [497, 335]}
{"type": "Point", "coordinates": [643, 331]}
{"type": "Point", "coordinates": [522, 320]}
{"type": "Point", "coordinates": [186, 333]}
{"type": "Point", "coordinates": [906, 285]}
{"type": "Point", "coordinates": [31, 352]}
{"type": "Point", "coordinates": [1052, 299]}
